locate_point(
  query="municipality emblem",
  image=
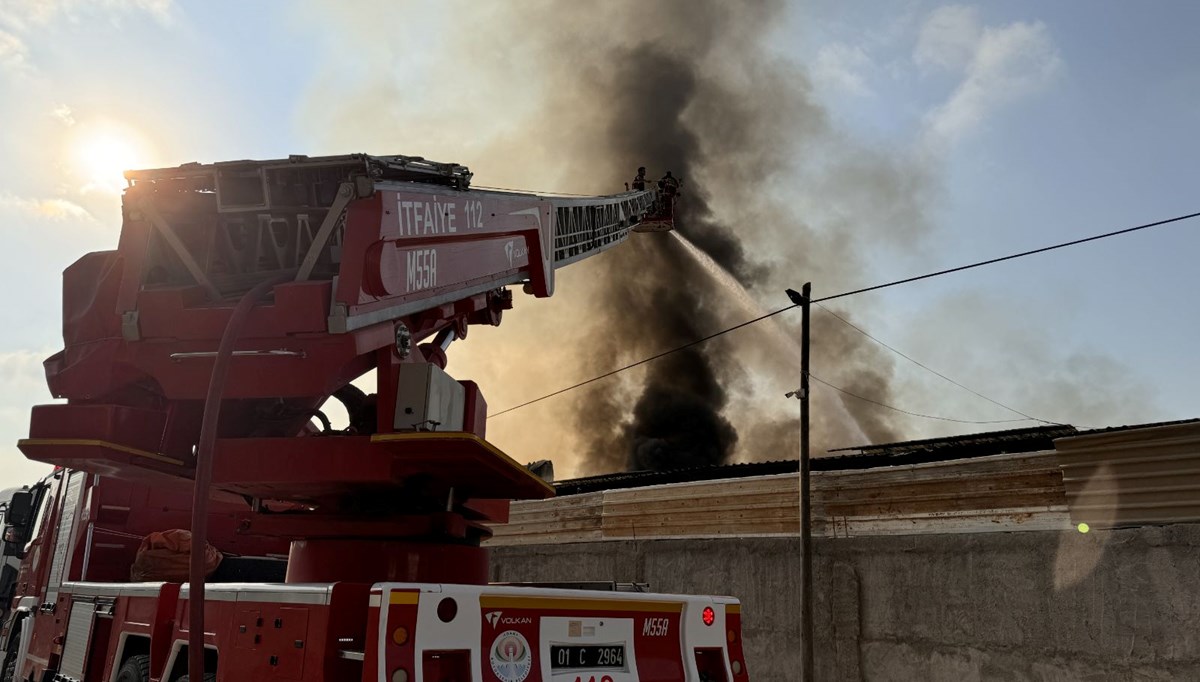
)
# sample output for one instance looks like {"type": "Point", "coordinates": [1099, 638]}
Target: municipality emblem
{"type": "Point", "coordinates": [510, 656]}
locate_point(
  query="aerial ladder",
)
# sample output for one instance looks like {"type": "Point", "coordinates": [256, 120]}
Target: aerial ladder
{"type": "Point", "coordinates": [244, 295]}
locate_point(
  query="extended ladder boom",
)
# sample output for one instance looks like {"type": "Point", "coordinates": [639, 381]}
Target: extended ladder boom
{"type": "Point", "coordinates": [370, 256]}
{"type": "Point", "coordinates": [399, 234]}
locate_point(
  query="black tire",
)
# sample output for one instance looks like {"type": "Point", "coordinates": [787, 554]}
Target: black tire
{"type": "Point", "coordinates": [10, 670]}
{"type": "Point", "coordinates": [136, 668]}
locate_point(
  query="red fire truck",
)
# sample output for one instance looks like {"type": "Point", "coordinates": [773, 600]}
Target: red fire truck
{"type": "Point", "coordinates": [198, 356]}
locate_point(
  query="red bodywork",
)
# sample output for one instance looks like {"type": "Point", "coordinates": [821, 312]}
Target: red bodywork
{"type": "Point", "coordinates": [374, 256]}
{"type": "Point", "coordinates": [141, 328]}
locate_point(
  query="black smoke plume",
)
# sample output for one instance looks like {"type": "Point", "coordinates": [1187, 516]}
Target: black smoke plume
{"type": "Point", "coordinates": [652, 91]}
{"type": "Point", "coordinates": [772, 193]}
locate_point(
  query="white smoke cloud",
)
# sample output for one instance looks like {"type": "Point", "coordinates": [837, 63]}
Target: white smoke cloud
{"type": "Point", "coordinates": [1007, 63]}
{"type": "Point", "coordinates": [62, 113]}
{"type": "Point", "coordinates": [55, 209]}
{"type": "Point", "coordinates": [843, 68]}
{"type": "Point", "coordinates": [1071, 383]}
{"type": "Point", "coordinates": [24, 384]}
{"type": "Point", "coordinates": [21, 19]}
{"type": "Point", "coordinates": [26, 14]}
{"type": "Point", "coordinates": [14, 54]}
{"type": "Point", "coordinates": [948, 38]}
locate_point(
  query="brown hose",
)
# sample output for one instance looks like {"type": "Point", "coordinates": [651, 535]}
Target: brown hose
{"type": "Point", "coordinates": [203, 475]}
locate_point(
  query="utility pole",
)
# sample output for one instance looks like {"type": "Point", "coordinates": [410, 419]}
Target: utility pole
{"type": "Point", "coordinates": [804, 300]}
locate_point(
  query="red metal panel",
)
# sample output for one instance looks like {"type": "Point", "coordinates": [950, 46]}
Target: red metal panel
{"type": "Point", "coordinates": [472, 238]}
{"type": "Point", "coordinates": [130, 426]}
{"type": "Point", "coordinates": [178, 313]}
{"type": "Point", "coordinates": [475, 410]}
{"type": "Point", "coordinates": [247, 628]}
{"type": "Point", "coordinates": [162, 626]}
{"type": "Point", "coordinates": [374, 638]}
{"type": "Point", "coordinates": [313, 467]}
{"type": "Point", "coordinates": [265, 640]}
{"type": "Point", "coordinates": [445, 665]}
{"type": "Point", "coordinates": [733, 638]}
{"type": "Point", "coordinates": [367, 560]}
{"type": "Point", "coordinates": [398, 635]}
{"type": "Point", "coordinates": [286, 641]}
{"type": "Point", "coordinates": [98, 659]}
{"type": "Point", "coordinates": [341, 629]}
{"type": "Point", "coordinates": [402, 270]}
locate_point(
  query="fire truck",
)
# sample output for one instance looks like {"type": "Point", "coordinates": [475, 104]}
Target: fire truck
{"type": "Point", "coordinates": [199, 359]}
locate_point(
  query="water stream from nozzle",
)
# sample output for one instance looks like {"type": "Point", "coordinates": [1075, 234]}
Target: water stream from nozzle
{"type": "Point", "coordinates": [774, 330]}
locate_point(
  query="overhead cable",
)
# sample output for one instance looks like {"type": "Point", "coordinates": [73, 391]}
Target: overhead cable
{"type": "Point", "coordinates": [853, 292]}
{"type": "Point", "coordinates": [927, 368]}
{"type": "Point", "coordinates": [839, 389]}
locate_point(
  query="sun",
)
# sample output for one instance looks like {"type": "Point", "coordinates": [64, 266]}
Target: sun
{"type": "Point", "coordinates": [100, 155]}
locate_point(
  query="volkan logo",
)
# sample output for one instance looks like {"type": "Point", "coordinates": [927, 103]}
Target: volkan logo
{"type": "Point", "coordinates": [514, 252]}
{"type": "Point", "coordinates": [493, 617]}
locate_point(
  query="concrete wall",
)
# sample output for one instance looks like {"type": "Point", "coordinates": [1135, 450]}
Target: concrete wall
{"type": "Point", "coordinates": [1108, 605]}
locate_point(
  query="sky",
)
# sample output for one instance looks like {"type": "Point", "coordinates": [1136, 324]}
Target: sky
{"type": "Point", "coordinates": [1034, 123]}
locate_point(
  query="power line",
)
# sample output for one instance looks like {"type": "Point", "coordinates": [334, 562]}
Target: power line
{"type": "Point", "coordinates": [839, 389]}
{"type": "Point", "coordinates": [1001, 259]}
{"type": "Point", "coordinates": [652, 358]}
{"type": "Point", "coordinates": [844, 294]}
{"type": "Point", "coordinates": [927, 368]}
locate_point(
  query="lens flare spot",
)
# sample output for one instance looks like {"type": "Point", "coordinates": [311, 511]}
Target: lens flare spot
{"type": "Point", "coordinates": [101, 153]}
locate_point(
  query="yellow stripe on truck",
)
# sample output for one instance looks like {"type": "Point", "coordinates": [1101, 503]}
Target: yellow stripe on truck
{"type": "Point", "coordinates": [407, 598]}
{"type": "Point", "coordinates": [558, 604]}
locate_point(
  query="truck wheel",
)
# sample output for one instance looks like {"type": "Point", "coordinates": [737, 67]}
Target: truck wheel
{"type": "Point", "coordinates": [10, 671]}
{"type": "Point", "coordinates": [135, 669]}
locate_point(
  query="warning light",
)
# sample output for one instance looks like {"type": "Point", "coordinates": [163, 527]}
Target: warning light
{"type": "Point", "coordinates": [708, 615]}
{"type": "Point", "coordinates": [400, 636]}
{"type": "Point", "coordinates": [1083, 527]}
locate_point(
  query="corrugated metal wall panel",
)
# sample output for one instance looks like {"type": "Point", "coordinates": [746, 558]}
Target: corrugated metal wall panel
{"type": "Point", "coordinates": [576, 518]}
{"type": "Point", "coordinates": [985, 494]}
{"type": "Point", "coordinates": [1133, 477]}
{"type": "Point", "coordinates": [980, 495]}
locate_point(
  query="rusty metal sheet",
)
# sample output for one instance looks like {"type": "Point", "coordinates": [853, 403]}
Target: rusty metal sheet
{"type": "Point", "coordinates": [999, 493]}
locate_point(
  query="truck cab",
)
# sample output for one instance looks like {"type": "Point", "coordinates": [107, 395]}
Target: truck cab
{"type": "Point", "coordinates": [20, 511]}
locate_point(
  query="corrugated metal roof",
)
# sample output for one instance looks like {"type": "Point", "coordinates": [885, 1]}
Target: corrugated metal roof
{"type": "Point", "coordinates": [635, 479]}
{"type": "Point", "coordinates": [976, 444]}
{"type": "Point", "coordinates": [866, 457]}
{"type": "Point", "coordinates": [1128, 427]}
{"type": "Point", "coordinates": [948, 448]}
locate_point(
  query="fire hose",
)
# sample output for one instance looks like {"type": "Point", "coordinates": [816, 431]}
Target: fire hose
{"type": "Point", "coordinates": [203, 475]}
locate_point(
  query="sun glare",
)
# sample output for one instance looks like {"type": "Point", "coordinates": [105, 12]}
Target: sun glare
{"type": "Point", "coordinates": [102, 154]}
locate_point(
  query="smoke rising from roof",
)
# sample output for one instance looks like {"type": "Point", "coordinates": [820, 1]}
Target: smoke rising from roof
{"type": "Point", "coordinates": [691, 87]}
{"type": "Point", "coordinates": [709, 103]}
